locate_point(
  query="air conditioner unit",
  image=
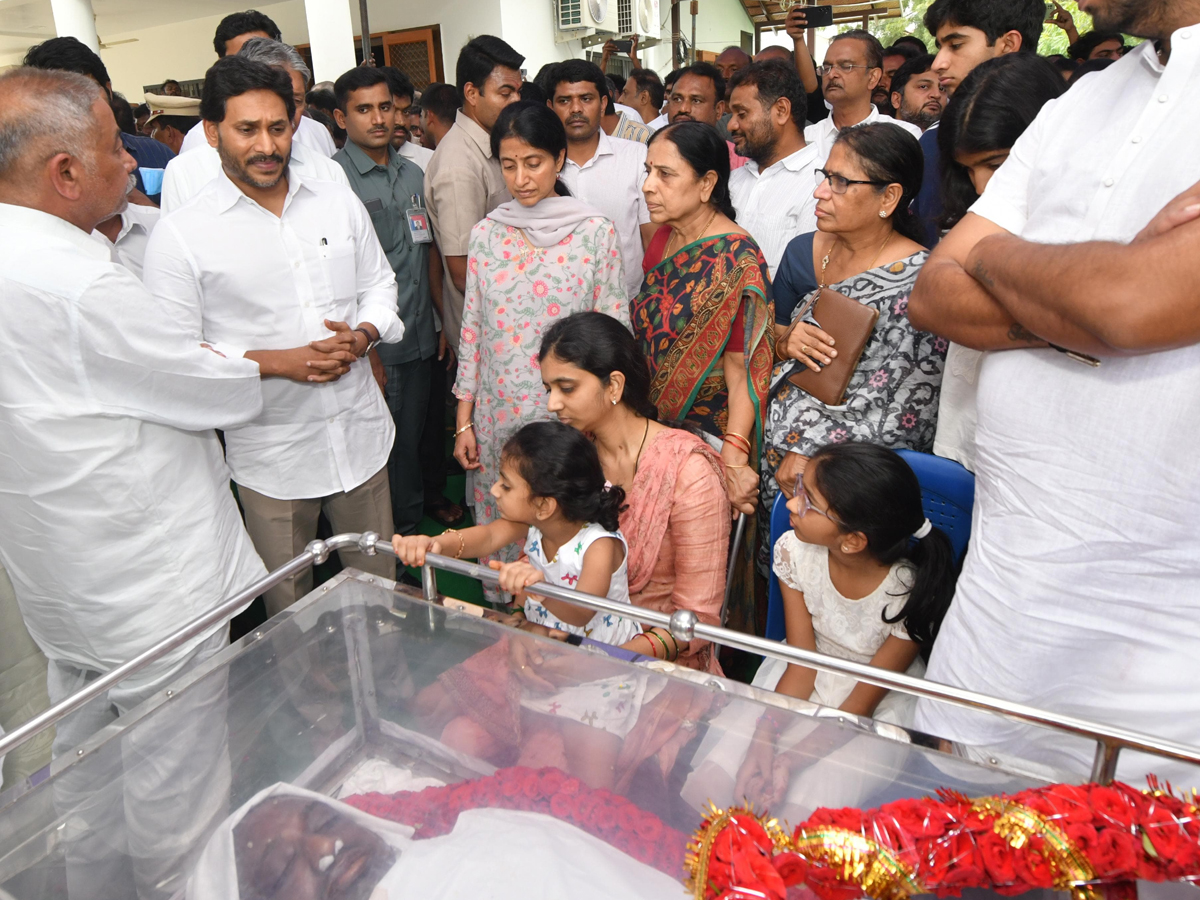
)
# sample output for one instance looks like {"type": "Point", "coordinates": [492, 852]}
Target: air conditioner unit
{"type": "Point", "coordinates": [583, 17]}
{"type": "Point", "coordinates": [646, 20]}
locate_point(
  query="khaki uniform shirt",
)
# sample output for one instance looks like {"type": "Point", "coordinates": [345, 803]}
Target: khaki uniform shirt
{"type": "Point", "coordinates": [463, 183]}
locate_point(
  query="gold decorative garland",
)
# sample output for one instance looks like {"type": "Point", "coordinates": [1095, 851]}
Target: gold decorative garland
{"type": "Point", "coordinates": [1017, 824]}
{"type": "Point", "coordinates": [859, 860]}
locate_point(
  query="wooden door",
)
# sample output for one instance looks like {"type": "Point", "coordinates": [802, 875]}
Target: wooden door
{"type": "Point", "coordinates": [417, 52]}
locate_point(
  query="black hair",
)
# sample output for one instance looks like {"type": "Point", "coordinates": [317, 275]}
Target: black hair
{"type": "Point", "coordinates": [705, 70]}
{"type": "Point", "coordinates": [574, 71]}
{"type": "Point", "coordinates": [182, 124]}
{"type": "Point", "coordinates": [1087, 68]}
{"type": "Point", "coordinates": [874, 48]}
{"type": "Point", "coordinates": [994, 18]}
{"type": "Point", "coordinates": [990, 109]}
{"type": "Point", "coordinates": [647, 80]}
{"type": "Point", "coordinates": [322, 99]}
{"type": "Point", "coordinates": [123, 113]}
{"type": "Point", "coordinates": [560, 463]}
{"type": "Point", "coordinates": [480, 57]}
{"type": "Point", "coordinates": [141, 110]}
{"type": "Point", "coordinates": [538, 126]}
{"type": "Point", "coordinates": [326, 120]}
{"type": "Point", "coordinates": [598, 343]}
{"type": "Point", "coordinates": [907, 50]}
{"type": "Point", "coordinates": [1083, 47]}
{"type": "Point", "coordinates": [398, 83]}
{"type": "Point", "coordinates": [912, 67]}
{"type": "Point", "coordinates": [909, 40]}
{"type": "Point", "coordinates": [890, 155]}
{"type": "Point", "coordinates": [239, 23]}
{"type": "Point", "coordinates": [670, 79]}
{"type": "Point", "coordinates": [872, 490]}
{"type": "Point", "coordinates": [68, 54]}
{"type": "Point", "coordinates": [355, 80]}
{"type": "Point", "coordinates": [703, 148]}
{"type": "Point", "coordinates": [774, 79]}
{"type": "Point", "coordinates": [441, 100]}
{"type": "Point", "coordinates": [544, 78]}
{"type": "Point", "coordinates": [532, 92]}
{"type": "Point", "coordinates": [170, 81]}
{"type": "Point", "coordinates": [232, 76]}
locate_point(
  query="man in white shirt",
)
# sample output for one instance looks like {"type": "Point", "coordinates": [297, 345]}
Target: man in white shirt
{"type": "Point", "coordinates": [260, 257]}
{"type": "Point", "coordinates": [313, 135]}
{"type": "Point", "coordinates": [402, 100]}
{"type": "Point", "coordinates": [644, 93]}
{"type": "Point", "coordinates": [187, 173]}
{"type": "Point", "coordinates": [108, 407]}
{"type": "Point", "coordinates": [773, 193]}
{"type": "Point", "coordinates": [128, 234]}
{"type": "Point", "coordinates": [603, 171]}
{"type": "Point", "coordinates": [853, 67]}
{"type": "Point", "coordinates": [1081, 589]}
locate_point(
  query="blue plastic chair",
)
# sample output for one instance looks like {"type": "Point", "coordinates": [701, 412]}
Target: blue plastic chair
{"type": "Point", "coordinates": [947, 495]}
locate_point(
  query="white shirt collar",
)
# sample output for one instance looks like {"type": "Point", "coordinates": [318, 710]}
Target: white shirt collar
{"type": "Point", "coordinates": [793, 162]}
{"type": "Point", "coordinates": [228, 193]}
{"type": "Point", "coordinates": [604, 148]}
{"type": "Point", "coordinates": [26, 218]}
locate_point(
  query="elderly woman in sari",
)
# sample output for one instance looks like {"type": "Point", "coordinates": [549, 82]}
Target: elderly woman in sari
{"type": "Point", "coordinates": [704, 320]}
{"type": "Point", "coordinates": [866, 248]}
{"type": "Point", "coordinates": [703, 317]}
{"type": "Point", "coordinates": [541, 256]}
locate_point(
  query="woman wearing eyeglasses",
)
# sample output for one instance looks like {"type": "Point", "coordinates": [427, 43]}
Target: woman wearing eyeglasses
{"type": "Point", "coordinates": [866, 248]}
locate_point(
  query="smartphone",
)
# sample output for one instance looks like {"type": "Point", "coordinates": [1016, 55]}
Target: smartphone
{"type": "Point", "coordinates": [623, 46]}
{"type": "Point", "coordinates": [817, 16]}
{"type": "Point", "coordinates": [1051, 12]}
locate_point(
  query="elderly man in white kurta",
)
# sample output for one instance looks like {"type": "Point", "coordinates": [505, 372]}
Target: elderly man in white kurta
{"type": "Point", "coordinates": [118, 522]}
{"type": "Point", "coordinates": [265, 257]}
{"type": "Point", "coordinates": [1081, 589]}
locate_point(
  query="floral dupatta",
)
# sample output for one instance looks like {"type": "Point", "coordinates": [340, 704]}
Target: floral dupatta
{"type": "Point", "coordinates": [683, 317]}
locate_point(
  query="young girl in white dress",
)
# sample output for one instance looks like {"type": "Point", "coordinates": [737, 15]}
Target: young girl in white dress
{"type": "Point", "coordinates": [552, 494]}
{"type": "Point", "coordinates": [865, 577]}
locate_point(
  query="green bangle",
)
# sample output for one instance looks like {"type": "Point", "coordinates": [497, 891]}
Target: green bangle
{"type": "Point", "coordinates": [666, 652]}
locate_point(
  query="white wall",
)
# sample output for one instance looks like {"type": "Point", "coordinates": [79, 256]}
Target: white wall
{"type": "Point", "coordinates": [529, 26]}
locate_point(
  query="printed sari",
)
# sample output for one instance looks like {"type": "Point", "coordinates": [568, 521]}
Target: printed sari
{"type": "Point", "coordinates": [690, 306]}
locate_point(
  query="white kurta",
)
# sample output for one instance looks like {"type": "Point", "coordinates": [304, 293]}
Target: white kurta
{"type": "Point", "coordinates": [778, 204]}
{"type": "Point", "coordinates": [119, 525]}
{"type": "Point", "coordinates": [245, 279]}
{"type": "Point", "coordinates": [129, 249]}
{"type": "Point", "coordinates": [1081, 590]}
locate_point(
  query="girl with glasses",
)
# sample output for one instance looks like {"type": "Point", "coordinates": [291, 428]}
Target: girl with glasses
{"type": "Point", "coordinates": [864, 577]}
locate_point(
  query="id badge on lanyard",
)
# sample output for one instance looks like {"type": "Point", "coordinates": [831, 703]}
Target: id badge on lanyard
{"type": "Point", "coordinates": [418, 221]}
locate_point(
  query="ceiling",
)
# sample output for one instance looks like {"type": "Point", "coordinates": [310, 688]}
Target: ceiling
{"type": "Point", "coordinates": [25, 22]}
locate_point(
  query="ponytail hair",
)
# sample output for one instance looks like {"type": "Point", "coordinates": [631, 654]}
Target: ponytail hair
{"type": "Point", "coordinates": [872, 490]}
{"type": "Point", "coordinates": [703, 148]}
{"type": "Point", "coordinates": [559, 462]}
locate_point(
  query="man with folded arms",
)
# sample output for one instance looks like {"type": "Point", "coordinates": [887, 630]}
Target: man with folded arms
{"type": "Point", "coordinates": [266, 257]}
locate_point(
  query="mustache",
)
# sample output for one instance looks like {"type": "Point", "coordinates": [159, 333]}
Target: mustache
{"type": "Point", "coordinates": [265, 157]}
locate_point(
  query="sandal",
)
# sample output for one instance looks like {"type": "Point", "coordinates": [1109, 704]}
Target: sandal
{"type": "Point", "coordinates": [445, 512]}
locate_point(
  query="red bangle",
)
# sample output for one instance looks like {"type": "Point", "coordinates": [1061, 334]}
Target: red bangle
{"type": "Point", "coordinates": [732, 438]}
{"type": "Point", "coordinates": [649, 641]}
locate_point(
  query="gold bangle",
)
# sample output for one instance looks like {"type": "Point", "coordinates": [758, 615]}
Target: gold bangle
{"type": "Point", "coordinates": [730, 434]}
{"type": "Point", "coordinates": [466, 427]}
{"type": "Point", "coordinates": [728, 466]}
{"type": "Point", "coordinates": [462, 541]}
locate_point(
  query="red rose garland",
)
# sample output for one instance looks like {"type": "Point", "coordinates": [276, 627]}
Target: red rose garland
{"type": "Point", "coordinates": [603, 814]}
{"type": "Point", "coordinates": [1066, 837]}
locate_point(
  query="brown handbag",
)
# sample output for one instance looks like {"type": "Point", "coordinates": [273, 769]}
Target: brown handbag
{"type": "Point", "coordinates": [850, 324]}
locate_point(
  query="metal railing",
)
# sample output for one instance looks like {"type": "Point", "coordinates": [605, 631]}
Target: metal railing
{"type": "Point", "coordinates": [683, 624]}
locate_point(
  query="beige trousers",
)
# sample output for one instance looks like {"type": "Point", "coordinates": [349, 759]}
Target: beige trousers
{"type": "Point", "coordinates": [22, 688]}
{"type": "Point", "coordinates": [280, 530]}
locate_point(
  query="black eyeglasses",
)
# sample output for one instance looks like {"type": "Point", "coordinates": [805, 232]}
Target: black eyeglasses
{"type": "Point", "coordinates": [839, 184]}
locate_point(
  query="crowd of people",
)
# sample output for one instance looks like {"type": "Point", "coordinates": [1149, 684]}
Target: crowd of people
{"type": "Point", "coordinates": [753, 277]}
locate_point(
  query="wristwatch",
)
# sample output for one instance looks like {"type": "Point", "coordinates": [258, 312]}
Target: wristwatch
{"type": "Point", "coordinates": [371, 342]}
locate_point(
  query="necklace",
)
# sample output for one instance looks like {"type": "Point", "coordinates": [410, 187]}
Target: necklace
{"type": "Point", "coordinates": [667, 251]}
{"type": "Point", "coordinates": [825, 261]}
{"type": "Point", "coordinates": [637, 460]}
